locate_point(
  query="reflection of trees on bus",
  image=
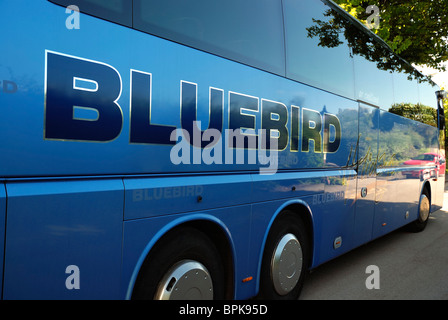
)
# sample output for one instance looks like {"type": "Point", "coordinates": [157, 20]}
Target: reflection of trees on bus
{"type": "Point", "coordinates": [416, 112]}
{"type": "Point", "coordinates": [337, 27]}
{"type": "Point", "coordinates": [399, 139]}
{"type": "Point", "coordinates": [419, 41]}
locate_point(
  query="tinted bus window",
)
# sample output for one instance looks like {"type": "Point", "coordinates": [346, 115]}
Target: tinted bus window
{"type": "Point", "coordinates": [405, 85]}
{"type": "Point", "coordinates": [427, 90]}
{"type": "Point", "coordinates": [428, 101]}
{"type": "Point", "coordinates": [373, 76]}
{"type": "Point", "coordinates": [247, 31]}
{"type": "Point", "coordinates": [314, 56]}
{"type": "Point", "coordinates": [119, 11]}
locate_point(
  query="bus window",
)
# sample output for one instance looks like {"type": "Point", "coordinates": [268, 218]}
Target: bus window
{"type": "Point", "coordinates": [313, 57]}
{"type": "Point", "coordinates": [427, 91]}
{"type": "Point", "coordinates": [405, 86]}
{"type": "Point", "coordinates": [246, 31]}
{"type": "Point", "coordinates": [119, 11]}
{"type": "Point", "coordinates": [412, 99]}
{"type": "Point", "coordinates": [374, 82]}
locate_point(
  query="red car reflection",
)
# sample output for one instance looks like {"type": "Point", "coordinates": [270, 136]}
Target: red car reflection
{"type": "Point", "coordinates": [426, 159]}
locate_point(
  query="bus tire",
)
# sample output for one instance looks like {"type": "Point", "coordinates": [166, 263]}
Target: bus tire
{"type": "Point", "coordinates": [424, 209]}
{"type": "Point", "coordinates": [185, 265]}
{"type": "Point", "coordinates": [285, 259]}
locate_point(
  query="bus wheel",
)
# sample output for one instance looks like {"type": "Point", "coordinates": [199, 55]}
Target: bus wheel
{"type": "Point", "coordinates": [183, 266]}
{"type": "Point", "coordinates": [285, 259]}
{"type": "Point", "coordinates": [423, 213]}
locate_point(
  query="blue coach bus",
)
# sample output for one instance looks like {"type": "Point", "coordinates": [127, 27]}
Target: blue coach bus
{"type": "Point", "coordinates": [201, 149]}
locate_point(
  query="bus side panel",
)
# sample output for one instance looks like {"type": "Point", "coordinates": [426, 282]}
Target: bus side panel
{"type": "Point", "coordinates": [63, 239]}
{"type": "Point", "coordinates": [399, 179]}
{"type": "Point", "coordinates": [168, 195]}
{"type": "Point", "coordinates": [330, 197]}
{"type": "Point", "coordinates": [2, 231]}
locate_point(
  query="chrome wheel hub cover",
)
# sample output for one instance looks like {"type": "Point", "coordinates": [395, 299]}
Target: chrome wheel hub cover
{"type": "Point", "coordinates": [286, 264]}
{"type": "Point", "coordinates": [424, 208]}
{"type": "Point", "coordinates": [186, 280]}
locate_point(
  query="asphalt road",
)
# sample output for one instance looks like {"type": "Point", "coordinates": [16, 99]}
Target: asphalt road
{"type": "Point", "coordinates": [412, 266]}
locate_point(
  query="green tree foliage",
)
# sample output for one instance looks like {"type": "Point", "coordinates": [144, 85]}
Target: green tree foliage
{"type": "Point", "coordinates": [417, 30]}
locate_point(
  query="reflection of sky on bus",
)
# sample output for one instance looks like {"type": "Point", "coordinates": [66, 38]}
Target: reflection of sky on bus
{"type": "Point", "coordinates": [318, 66]}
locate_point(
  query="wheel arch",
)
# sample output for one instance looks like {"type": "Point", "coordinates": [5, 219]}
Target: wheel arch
{"type": "Point", "coordinates": [426, 186]}
{"type": "Point", "coordinates": [214, 228]}
{"type": "Point", "coordinates": [301, 210]}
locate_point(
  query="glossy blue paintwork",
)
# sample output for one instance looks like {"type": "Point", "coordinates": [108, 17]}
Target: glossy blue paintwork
{"type": "Point", "coordinates": [103, 205]}
{"type": "Point", "coordinates": [2, 229]}
{"type": "Point", "coordinates": [150, 197]}
{"type": "Point", "coordinates": [54, 224]}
